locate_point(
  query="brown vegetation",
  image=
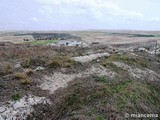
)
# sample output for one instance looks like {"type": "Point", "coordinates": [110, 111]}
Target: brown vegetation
{"type": "Point", "coordinates": [98, 97]}
{"type": "Point", "coordinates": [23, 77]}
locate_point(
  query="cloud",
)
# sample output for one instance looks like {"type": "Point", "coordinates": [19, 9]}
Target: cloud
{"type": "Point", "coordinates": [99, 9]}
{"type": "Point", "coordinates": [154, 19]}
{"type": "Point", "coordinates": [34, 19]}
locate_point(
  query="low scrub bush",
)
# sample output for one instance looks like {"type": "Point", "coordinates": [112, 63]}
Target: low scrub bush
{"type": "Point", "coordinates": [102, 79]}
{"type": "Point", "coordinates": [94, 98]}
{"type": "Point", "coordinates": [29, 72]}
{"type": "Point", "coordinates": [23, 77]}
{"type": "Point", "coordinates": [61, 61]}
{"type": "Point", "coordinates": [26, 63]}
{"type": "Point", "coordinates": [127, 59]}
{"type": "Point", "coordinates": [6, 69]}
{"type": "Point", "coordinates": [100, 117]}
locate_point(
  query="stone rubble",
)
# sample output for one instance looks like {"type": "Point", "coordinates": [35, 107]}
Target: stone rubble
{"type": "Point", "coordinates": [18, 110]}
{"type": "Point", "coordinates": [88, 58]}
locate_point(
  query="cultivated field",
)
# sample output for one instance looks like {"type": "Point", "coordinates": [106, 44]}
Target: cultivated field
{"type": "Point", "coordinates": [104, 37]}
{"type": "Point", "coordinates": [10, 37]}
{"type": "Point", "coordinates": [118, 37]}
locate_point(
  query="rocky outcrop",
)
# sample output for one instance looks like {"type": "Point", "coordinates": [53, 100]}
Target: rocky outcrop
{"type": "Point", "coordinates": [88, 58]}
{"type": "Point", "coordinates": [18, 110]}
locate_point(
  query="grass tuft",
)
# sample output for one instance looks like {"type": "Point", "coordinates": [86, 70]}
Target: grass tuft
{"type": "Point", "coordinates": [26, 63]}
{"type": "Point", "coordinates": [102, 79]}
{"type": "Point", "coordinates": [100, 117]}
{"type": "Point", "coordinates": [6, 69]}
{"type": "Point", "coordinates": [29, 72]}
{"type": "Point", "coordinates": [61, 61]}
{"type": "Point", "coordinates": [16, 97]}
{"type": "Point", "coordinates": [22, 76]}
{"type": "Point", "coordinates": [125, 58]}
{"type": "Point", "coordinates": [114, 97]}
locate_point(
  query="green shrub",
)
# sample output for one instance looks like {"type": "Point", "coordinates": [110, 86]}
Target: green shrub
{"type": "Point", "coordinates": [16, 97]}
{"type": "Point", "coordinates": [101, 79]}
{"type": "Point", "coordinates": [100, 117]}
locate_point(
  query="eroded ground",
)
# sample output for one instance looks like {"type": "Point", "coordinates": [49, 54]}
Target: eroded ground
{"type": "Point", "coordinates": [49, 83]}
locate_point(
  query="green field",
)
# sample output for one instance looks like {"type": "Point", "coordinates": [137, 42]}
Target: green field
{"type": "Point", "coordinates": [157, 35]}
{"type": "Point", "coordinates": [42, 42]}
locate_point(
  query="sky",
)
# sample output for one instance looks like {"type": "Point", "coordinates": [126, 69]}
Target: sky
{"type": "Point", "coordinates": [79, 14]}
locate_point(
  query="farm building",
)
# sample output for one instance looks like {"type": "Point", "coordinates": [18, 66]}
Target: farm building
{"type": "Point", "coordinates": [69, 43]}
{"type": "Point", "coordinates": [140, 49]}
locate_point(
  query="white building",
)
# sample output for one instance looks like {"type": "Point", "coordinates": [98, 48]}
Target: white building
{"type": "Point", "coordinates": [69, 43]}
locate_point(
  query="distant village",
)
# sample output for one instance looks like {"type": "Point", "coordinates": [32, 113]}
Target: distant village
{"type": "Point", "coordinates": [65, 39]}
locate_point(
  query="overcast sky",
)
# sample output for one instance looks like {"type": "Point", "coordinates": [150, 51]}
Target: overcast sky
{"type": "Point", "coordinates": [79, 14]}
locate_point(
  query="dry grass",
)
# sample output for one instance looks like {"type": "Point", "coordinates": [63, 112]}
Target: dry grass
{"type": "Point", "coordinates": [26, 51]}
{"type": "Point", "coordinates": [85, 98]}
{"type": "Point", "coordinates": [26, 63]}
{"type": "Point", "coordinates": [61, 61]}
{"type": "Point", "coordinates": [135, 61]}
{"type": "Point", "coordinates": [23, 77]}
{"type": "Point", "coordinates": [99, 97]}
{"type": "Point", "coordinates": [6, 69]}
{"type": "Point", "coordinates": [29, 72]}
{"type": "Point", "coordinates": [30, 56]}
